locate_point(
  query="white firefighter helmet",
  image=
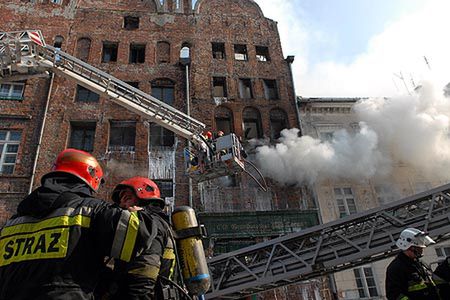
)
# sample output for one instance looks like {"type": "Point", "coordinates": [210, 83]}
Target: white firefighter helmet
{"type": "Point", "coordinates": [413, 237]}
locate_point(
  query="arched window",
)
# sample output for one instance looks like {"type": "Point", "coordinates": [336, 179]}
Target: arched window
{"type": "Point", "coordinates": [163, 89]}
{"type": "Point", "coordinates": [163, 52]}
{"type": "Point", "coordinates": [252, 123]}
{"type": "Point", "coordinates": [224, 119]}
{"type": "Point", "coordinates": [83, 48]}
{"type": "Point", "coordinates": [278, 122]}
{"type": "Point", "coordinates": [58, 41]}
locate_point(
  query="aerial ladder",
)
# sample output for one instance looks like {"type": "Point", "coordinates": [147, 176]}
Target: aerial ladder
{"type": "Point", "coordinates": [25, 53]}
{"type": "Point", "coordinates": [352, 241]}
{"type": "Point", "coordinates": [320, 250]}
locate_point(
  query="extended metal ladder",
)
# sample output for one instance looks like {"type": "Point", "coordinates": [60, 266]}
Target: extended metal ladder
{"type": "Point", "coordinates": [25, 52]}
{"type": "Point", "coordinates": [352, 241]}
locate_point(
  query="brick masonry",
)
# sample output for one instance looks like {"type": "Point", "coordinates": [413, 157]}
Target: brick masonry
{"type": "Point", "coordinates": [226, 21]}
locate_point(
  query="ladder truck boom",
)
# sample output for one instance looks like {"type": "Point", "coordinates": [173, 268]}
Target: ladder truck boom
{"type": "Point", "coordinates": [24, 54]}
{"type": "Point", "coordinates": [351, 241]}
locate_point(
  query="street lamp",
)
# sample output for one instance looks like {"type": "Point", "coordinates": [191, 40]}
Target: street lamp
{"type": "Point", "coordinates": [185, 60]}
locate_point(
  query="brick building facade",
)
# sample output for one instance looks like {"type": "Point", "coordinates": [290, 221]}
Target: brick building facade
{"type": "Point", "coordinates": [239, 82]}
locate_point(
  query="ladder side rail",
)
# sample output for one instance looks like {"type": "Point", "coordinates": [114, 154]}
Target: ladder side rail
{"type": "Point", "coordinates": [367, 240]}
{"type": "Point", "coordinates": [160, 112]}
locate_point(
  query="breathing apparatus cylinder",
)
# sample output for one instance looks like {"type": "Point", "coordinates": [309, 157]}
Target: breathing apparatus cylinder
{"type": "Point", "coordinates": [192, 258]}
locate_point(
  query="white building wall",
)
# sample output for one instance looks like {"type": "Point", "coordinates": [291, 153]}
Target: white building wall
{"type": "Point", "coordinates": [321, 116]}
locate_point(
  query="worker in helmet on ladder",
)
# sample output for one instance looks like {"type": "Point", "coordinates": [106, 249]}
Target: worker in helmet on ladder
{"type": "Point", "coordinates": [54, 247]}
{"type": "Point", "coordinates": [149, 275]}
{"type": "Point", "coordinates": [408, 278]}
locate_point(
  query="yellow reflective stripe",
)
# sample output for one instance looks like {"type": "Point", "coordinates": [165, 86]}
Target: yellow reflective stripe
{"type": "Point", "coordinates": [172, 269]}
{"type": "Point", "coordinates": [46, 244]}
{"type": "Point", "coordinates": [417, 287]}
{"type": "Point", "coordinates": [77, 220]}
{"type": "Point", "coordinates": [168, 253]}
{"type": "Point", "coordinates": [130, 238]}
{"type": "Point", "coordinates": [147, 271]}
{"type": "Point", "coordinates": [403, 297]}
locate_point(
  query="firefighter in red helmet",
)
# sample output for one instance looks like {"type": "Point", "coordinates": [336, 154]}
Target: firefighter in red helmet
{"type": "Point", "coordinates": [54, 246]}
{"type": "Point", "coordinates": [143, 278]}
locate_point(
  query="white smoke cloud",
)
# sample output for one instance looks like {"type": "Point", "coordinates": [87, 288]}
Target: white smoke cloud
{"type": "Point", "coordinates": [411, 129]}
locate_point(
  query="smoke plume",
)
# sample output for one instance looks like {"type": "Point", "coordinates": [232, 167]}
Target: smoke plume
{"type": "Point", "coordinates": [408, 129]}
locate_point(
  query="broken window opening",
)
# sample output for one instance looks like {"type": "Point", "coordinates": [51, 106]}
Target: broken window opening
{"type": "Point", "coordinates": [160, 136]}
{"type": "Point", "coordinates": [137, 54]}
{"type": "Point", "coordinates": [109, 53]}
{"type": "Point", "coordinates": [219, 87]}
{"type": "Point", "coordinates": [85, 95]}
{"type": "Point", "coordinates": [262, 53]}
{"type": "Point", "coordinates": [252, 123]}
{"type": "Point", "coordinates": [245, 88]}
{"type": "Point", "coordinates": [240, 52]}
{"type": "Point", "coordinates": [164, 89]}
{"type": "Point", "coordinates": [82, 135]}
{"type": "Point", "coordinates": [224, 119]}
{"type": "Point", "coordinates": [270, 89]}
{"type": "Point", "coordinates": [218, 50]}
{"type": "Point", "coordinates": [122, 136]}
{"type": "Point", "coordinates": [130, 22]}
{"type": "Point", "coordinates": [83, 49]}
{"type": "Point", "coordinates": [58, 41]}
{"type": "Point", "coordinates": [278, 122]}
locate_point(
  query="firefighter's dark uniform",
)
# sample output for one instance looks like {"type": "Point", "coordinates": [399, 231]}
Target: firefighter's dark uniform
{"type": "Point", "coordinates": [137, 279]}
{"type": "Point", "coordinates": [55, 246]}
{"type": "Point", "coordinates": [408, 279]}
{"type": "Point", "coordinates": [442, 278]}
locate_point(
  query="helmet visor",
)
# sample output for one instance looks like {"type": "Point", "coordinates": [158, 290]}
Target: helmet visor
{"type": "Point", "coordinates": [423, 240]}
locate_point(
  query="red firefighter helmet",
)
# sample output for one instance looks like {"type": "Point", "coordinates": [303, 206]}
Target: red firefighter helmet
{"type": "Point", "coordinates": [80, 164]}
{"type": "Point", "coordinates": [145, 190]}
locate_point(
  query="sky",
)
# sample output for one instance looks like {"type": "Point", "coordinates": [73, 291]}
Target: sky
{"type": "Point", "coordinates": [363, 48]}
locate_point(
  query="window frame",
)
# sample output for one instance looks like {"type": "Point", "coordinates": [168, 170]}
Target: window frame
{"type": "Point", "coordinates": [160, 183]}
{"type": "Point", "coordinates": [363, 285]}
{"type": "Point", "coordinates": [219, 81]}
{"type": "Point", "coordinates": [216, 48]}
{"type": "Point", "coordinates": [129, 25]}
{"type": "Point", "coordinates": [107, 45]}
{"type": "Point", "coordinates": [267, 89]}
{"type": "Point", "coordinates": [256, 120]}
{"type": "Point", "coordinates": [240, 52]}
{"type": "Point", "coordinates": [164, 137]}
{"type": "Point", "coordinates": [91, 97]}
{"type": "Point", "coordinates": [342, 196]}
{"type": "Point", "coordinates": [262, 56]}
{"type": "Point", "coordinates": [122, 126]}
{"type": "Point", "coordinates": [84, 126]}
{"type": "Point", "coordinates": [164, 85]}
{"type": "Point", "coordinates": [9, 95]}
{"type": "Point", "coordinates": [5, 143]}
{"type": "Point", "coordinates": [245, 88]}
{"type": "Point", "coordinates": [139, 53]}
